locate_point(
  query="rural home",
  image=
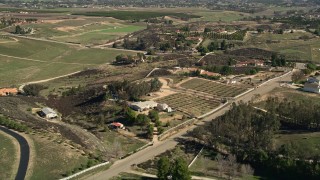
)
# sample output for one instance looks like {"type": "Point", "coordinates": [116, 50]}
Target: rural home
{"type": "Point", "coordinates": [142, 106]}
{"type": "Point", "coordinates": [8, 91]}
{"type": "Point", "coordinates": [48, 113]}
{"type": "Point", "coordinates": [312, 85]}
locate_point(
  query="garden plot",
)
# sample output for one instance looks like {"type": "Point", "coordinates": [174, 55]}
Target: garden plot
{"type": "Point", "coordinates": [213, 88]}
{"type": "Point", "coordinates": [193, 105]}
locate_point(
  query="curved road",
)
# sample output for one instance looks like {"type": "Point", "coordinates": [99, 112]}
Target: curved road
{"type": "Point", "coordinates": [124, 165]}
{"type": "Point", "coordinates": [24, 152]}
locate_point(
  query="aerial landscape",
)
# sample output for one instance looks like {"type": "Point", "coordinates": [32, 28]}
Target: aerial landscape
{"type": "Point", "coordinates": [159, 89]}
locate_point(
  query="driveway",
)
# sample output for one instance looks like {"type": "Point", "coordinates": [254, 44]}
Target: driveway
{"type": "Point", "coordinates": [24, 152]}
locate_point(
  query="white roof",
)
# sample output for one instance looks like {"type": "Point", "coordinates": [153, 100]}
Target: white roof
{"type": "Point", "coordinates": [144, 104]}
{"type": "Point", "coordinates": [48, 110]}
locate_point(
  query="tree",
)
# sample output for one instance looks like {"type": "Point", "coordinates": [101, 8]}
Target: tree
{"type": "Point", "coordinates": [206, 30]}
{"type": "Point", "coordinates": [155, 85]}
{"type": "Point", "coordinates": [224, 45]}
{"type": "Point", "coordinates": [153, 115]}
{"type": "Point", "coordinates": [19, 30]}
{"type": "Point", "coordinates": [142, 119]}
{"type": "Point", "coordinates": [180, 170]}
{"type": "Point", "coordinates": [297, 76]}
{"type": "Point", "coordinates": [33, 89]}
{"type": "Point", "coordinates": [163, 167]}
{"type": "Point", "coordinates": [130, 114]}
{"type": "Point", "coordinates": [150, 130]}
{"type": "Point", "coordinates": [213, 46]}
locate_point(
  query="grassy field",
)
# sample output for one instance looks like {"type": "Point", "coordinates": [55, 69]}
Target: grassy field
{"type": "Point", "coordinates": [47, 59]}
{"type": "Point", "coordinates": [213, 88]}
{"type": "Point", "coordinates": [127, 144]}
{"type": "Point", "coordinates": [291, 95]}
{"type": "Point", "coordinates": [192, 105]}
{"type": "Point", "coordinates": [289, 44]}
{"type": "Point", "coordinates": [7, 158]}
{"type": "Point", "coordinates": [53, 159]}
{"type": "Point", "coordinates": [303, 143]}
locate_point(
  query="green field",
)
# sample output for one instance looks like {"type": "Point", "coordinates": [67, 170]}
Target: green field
{"type": "Point", "coordinates": [134, 15]}
{"type": "Point", "coordinates": [193, 105]}
{"type": "Point", "coordinates": [289, 44]}
{"type": "Point", "coordinates": [47, 59]}
{"type": "Point", "coordinates": [213, 88]}
{"type": "Point", "coordinates": [7, 158]}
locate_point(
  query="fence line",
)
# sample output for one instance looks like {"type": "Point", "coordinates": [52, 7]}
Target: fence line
{"type": "Point", "coordinates": [86, 170]}
{"type": "Point", "coordinates": [195, 158]}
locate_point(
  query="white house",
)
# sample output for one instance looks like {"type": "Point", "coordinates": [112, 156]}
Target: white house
{"type": "Point", "coordinates": [48, 113]}
{"type": "Point", "coordinates": [142, 106]}
{"type": "Point", "coordinates": [312, 85]}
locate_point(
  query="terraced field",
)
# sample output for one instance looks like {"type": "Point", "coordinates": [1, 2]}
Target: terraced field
{"type": "Point", "coordinates": [213, 88]}
{"type": "Point", "coordinates": [193, 105]}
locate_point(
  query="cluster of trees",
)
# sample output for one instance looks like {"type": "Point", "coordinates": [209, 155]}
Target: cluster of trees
{"type": "Point", "coordinates": [20, 30]}
{"type": "Point", "coordinates": [129, 59]}
{"type": "Point", "coordinates": [278, 60]}
{"type": "Point", "coordinates": [176, 169]}
{"type": "Point", "coordinates": [133, 91]}
{"type": "Point", "coordinates": [33, 89]}
{"type": "Point", "coordinates": [148, 121]}
{"type": "Point", "coordinates": [72, 91]}
{"type": "Point", "coordinates": [214, 46]}
{"type": "Point", "coordinates": [139, 44]}
{"type": "Point", "coordinates": [12, 124]}
{"type": "Point", "coordinates": [239, 35]}
{"type": "Point", "coordinates": [311, 68]}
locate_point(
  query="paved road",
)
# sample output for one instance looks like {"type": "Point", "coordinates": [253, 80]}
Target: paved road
{"type": "Point", "coordinates": [161, 146]}
{"type": "Point", "coordinates": [24, 152]}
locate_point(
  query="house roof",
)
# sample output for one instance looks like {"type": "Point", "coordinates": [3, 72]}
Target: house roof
{"type": "Point", "coordinates": [117, 124]}
{"type": "Point", "coordinates": [8, 90]}
{"type": "Point", "coordinates": [48, 110]}
{"type": "Point", "coordinates": [144, 104]}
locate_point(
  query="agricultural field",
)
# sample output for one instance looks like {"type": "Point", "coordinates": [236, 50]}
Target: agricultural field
{"type": "Point", "coordinates": [83, 30]}
{"type": "Point", "coordinates": [192, 105]}
{"type": "Point", "coordinates": [289, 44]}
{"type": "Point", "coordinates": [216, 16]}
{"type": "Point", "coordinates": [29, 60]}
{"type": "Point", "coordinates": [7, 157]}
{"type": "Point", "coordinates": [213, 88]}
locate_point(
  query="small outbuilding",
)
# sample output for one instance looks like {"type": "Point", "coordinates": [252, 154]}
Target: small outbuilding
{"type": "Point", "coordinates": [117, 125]}
{"type": "Point", "coordinates": [48, 113]}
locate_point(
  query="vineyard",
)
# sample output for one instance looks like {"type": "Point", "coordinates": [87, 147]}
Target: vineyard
{"type": "Point", "coordinates": [193, 105]}
{"type": "Point", "coordinates": [213, 88]}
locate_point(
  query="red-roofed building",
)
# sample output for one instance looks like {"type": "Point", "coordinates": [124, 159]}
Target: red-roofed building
{"type": "Point", "coordinates": [8, 91]}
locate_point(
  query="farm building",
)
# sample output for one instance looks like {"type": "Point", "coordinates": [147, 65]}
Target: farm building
{"type": "Point", "coordinates": [48, 113]}
{"type": "Point", "coordinates": [164, 107]}
{"type": "Point", "coordinates": [142, 106]}
{"type": "Point", "coordinates": [8, 91]}
{"type": "Point", "coordinates": [312, 85]}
